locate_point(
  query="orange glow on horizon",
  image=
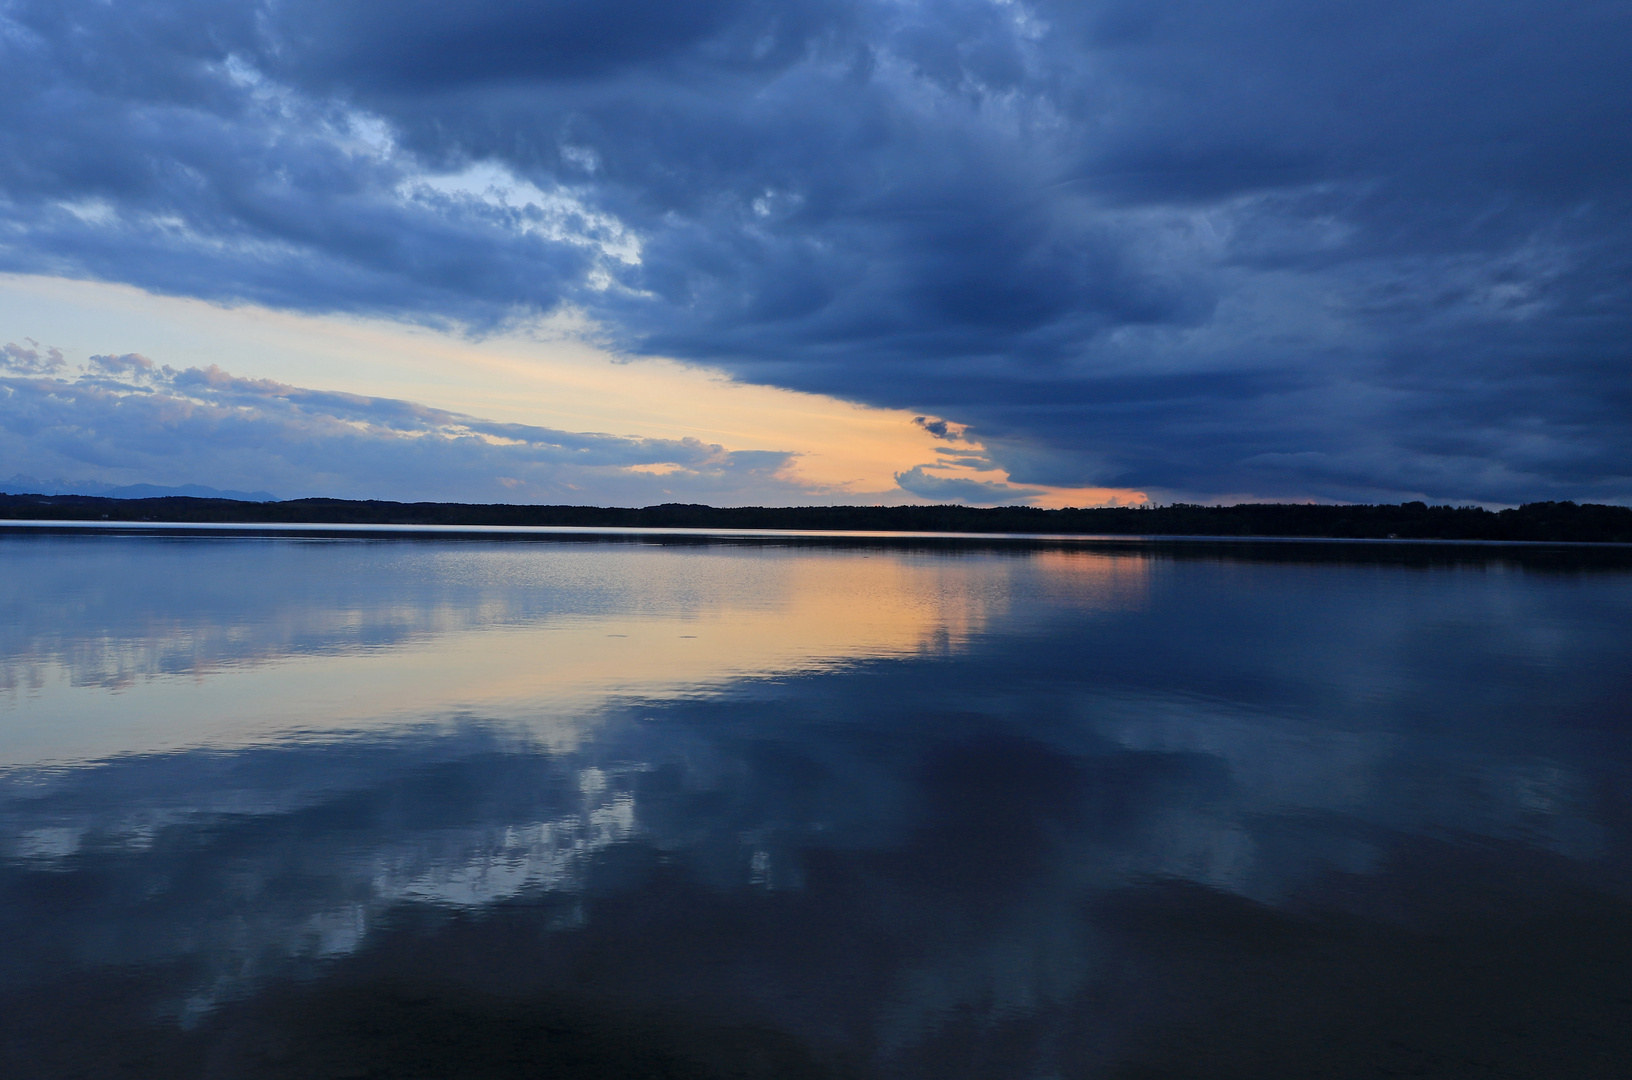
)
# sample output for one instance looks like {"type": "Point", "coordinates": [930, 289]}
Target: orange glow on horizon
{"type": "Point", "coordinates": [545, 375]}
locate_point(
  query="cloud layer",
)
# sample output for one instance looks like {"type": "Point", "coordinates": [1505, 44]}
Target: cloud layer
{"type": "Point", "coordinates": [1367, 250]}
{"type": "Point", "coordinates": [124, 417]}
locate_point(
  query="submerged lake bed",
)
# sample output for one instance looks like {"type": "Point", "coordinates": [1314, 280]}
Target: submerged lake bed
{"type": "Point", "coordinates": [584, 805]}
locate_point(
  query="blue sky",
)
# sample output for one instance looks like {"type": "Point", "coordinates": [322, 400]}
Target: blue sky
{"type": "Point", "coordinates": [1351, 251]}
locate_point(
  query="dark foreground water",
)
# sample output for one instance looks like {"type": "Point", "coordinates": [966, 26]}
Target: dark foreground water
{"type": "Point", "coordinates": [571, 808]}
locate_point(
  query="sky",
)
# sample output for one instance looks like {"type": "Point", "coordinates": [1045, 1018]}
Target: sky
{"type": "Point", "coordinates": [820, 251]}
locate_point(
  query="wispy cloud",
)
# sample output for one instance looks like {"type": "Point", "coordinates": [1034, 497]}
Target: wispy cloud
{"type": "Point", "coordinates": [943, 429]}
{"type": "Point", "coordinates": [963, 489]}
{"type": "Point", "coordinates": [125, 418]}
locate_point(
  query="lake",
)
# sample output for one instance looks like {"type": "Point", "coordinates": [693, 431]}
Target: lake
{"type": "Point", "coordinates": [572, 805]}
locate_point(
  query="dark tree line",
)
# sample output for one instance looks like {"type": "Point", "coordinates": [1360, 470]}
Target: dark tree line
{"type": "Point", "coordinates": [1543, 521]}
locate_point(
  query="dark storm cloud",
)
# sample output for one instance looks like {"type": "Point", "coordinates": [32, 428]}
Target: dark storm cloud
{"type": "Point", "coordinates": [1358, 250]}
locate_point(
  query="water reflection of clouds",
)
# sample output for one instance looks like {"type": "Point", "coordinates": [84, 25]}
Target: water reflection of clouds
{"type": "Point", "coordinates": [145, 645]}
{"type": "Point", "coordinates": [954, 757]}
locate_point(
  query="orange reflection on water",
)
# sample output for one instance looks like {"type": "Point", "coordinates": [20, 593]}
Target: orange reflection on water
{"type": "Point", "coordinates": [622, 622]}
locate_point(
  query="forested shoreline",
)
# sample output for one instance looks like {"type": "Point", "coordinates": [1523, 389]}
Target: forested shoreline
{"type": "Point", "coordinates": [1541, 521]}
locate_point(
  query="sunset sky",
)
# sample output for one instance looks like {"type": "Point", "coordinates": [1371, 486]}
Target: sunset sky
{"type": "Point", "coordinates": [819, 251]}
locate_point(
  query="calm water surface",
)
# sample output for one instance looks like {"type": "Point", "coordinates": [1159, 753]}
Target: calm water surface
{"type": "Point", "coordinates": [453, 808]}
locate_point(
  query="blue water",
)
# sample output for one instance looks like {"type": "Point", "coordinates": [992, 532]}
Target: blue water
{"type": "Point", "coordinates": [579, 806]}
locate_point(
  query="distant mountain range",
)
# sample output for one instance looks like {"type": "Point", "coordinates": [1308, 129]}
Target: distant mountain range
{"type": "Point", "coordinates": [28, 485]}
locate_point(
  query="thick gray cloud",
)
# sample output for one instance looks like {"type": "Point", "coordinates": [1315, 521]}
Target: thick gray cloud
{"type": "Point", "coordinates": [124, 417]}
{"type": "Point", "coordinates": [1361, 250]}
